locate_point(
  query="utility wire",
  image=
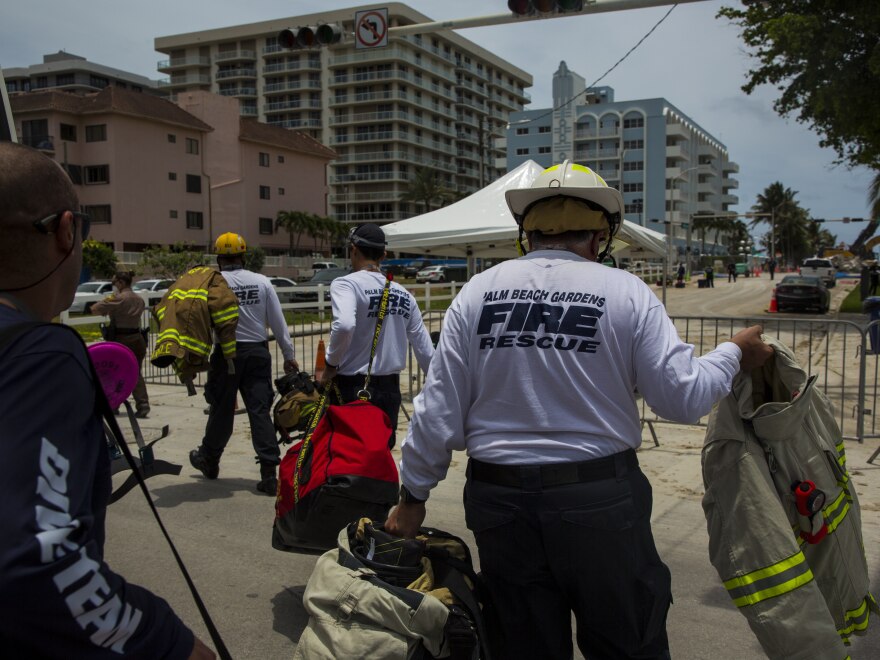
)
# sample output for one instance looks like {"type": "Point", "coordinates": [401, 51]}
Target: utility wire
{"type": "Point", "coordinates": [599, 79]}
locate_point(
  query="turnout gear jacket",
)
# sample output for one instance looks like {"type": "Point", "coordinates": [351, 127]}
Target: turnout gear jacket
{"type": "Point", "coordinates": [198, 303]}
{"type": "Point", "coordinates": [799, 579]}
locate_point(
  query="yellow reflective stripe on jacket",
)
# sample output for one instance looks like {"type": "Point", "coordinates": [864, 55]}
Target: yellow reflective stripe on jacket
{"type": "Point", "coordinates": [223, 315]}
{"type": "Point", "coordinates": [857, 619]}
{"type": "Point", "coordinates": [191, 343]}
{"type": "Point", "coordinates": [780, 578]}
{"type": "Point", "coordinates": [160, 313]}
{"type": "Point", "coordinates": [195, 294]}
{"type": "Point", "coordinates": [228, 348]}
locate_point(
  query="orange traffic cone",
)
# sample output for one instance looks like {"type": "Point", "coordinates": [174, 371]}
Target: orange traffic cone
{"type": "Point", "coordinates": [773, 308]}
{"type": "Point", "coordinates": [320, 361]}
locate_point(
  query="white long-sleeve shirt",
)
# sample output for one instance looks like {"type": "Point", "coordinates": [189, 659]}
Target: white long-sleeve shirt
{"type": "Point", "coordinates": [538, 362]}
{"type": "Point", "coordinates": [356, 298]}
{"type": "Point", "coordinates": [258, 306]}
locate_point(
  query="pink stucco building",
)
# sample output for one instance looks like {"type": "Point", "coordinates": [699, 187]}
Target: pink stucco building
{"type": "Point", "coordinates": [152, 172]}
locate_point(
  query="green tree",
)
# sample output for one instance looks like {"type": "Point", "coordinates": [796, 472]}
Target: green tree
{"type": "Point", "coordinates": [295, 223]}
{"type": "Point", "coordinates": [824, 58]}
{"type": "Point", "coordinates": [255, 259]}
{"type": "Point", "coordinates": [99, 258]}
{"type": "Point", "coordinates": [426, 188]}
{"type": "Point", "coordinates": [819, 238]}
{"type": "Point", "coordinates": [170, 261]}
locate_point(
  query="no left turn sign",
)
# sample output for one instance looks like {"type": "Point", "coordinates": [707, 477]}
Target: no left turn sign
{"type": "Point", "coordinates": [371, 28]}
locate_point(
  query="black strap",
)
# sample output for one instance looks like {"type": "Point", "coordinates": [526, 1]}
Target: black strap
{"type": "Point", "coordinates": [103, 405]}
{"type": "Point", "coordinates": [383, 309]}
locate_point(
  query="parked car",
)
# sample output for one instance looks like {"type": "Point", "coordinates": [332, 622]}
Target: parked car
{"type": "Point", "coordinates": [442, 274]}
{"type": "Point", "coordinates": [796, 292]}
{"type": "Point", "coordinates": [87, 294]}
{"type": "Point", "coordinates": [320, 277]}
{"type": "Point", "coordinates": [158, 287]}
{"type": "Point", "coordinates": [413, 267]}
{"type": "Point", "coordinates": [324, 265]}
{"type": "Point", "coordinates": [822, 268]}
{"type": "Point", "coordinates": [742, 270]}
{"type": "Point", "coordinates": [283, 283]}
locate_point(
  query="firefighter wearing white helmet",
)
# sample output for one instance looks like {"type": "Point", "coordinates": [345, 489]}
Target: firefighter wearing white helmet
{"type": "Point", "coordinates": [535, 378]}
{"type": "Point", "coordinates": [258, 308]}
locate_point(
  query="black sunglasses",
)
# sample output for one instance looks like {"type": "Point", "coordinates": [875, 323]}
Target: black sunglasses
{"type": "Point", "coordinates": [85, 221]}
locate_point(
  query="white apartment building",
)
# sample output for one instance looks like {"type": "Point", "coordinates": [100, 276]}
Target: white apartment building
{"type": "Point", "coordinates": [433, 100]}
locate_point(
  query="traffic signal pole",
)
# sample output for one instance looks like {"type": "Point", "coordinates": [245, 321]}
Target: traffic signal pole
{"type": "Point", "coordinates": [590, 7]}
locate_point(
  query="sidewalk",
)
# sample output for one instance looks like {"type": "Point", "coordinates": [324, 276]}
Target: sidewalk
{"type": "Point", "coordinates": [223, 528]}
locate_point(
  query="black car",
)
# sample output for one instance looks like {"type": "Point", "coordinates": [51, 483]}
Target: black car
{"type": "Point", "coordinates": [320, 277]}
{"type": "Point", "coordinates": [796, 292]}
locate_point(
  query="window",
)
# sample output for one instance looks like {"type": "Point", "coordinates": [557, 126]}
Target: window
{"type": "Point", "coordinates": [64, 79]}
{"type": "Point", "coordinates": [264, 159]}
{"type": "Point", "coordinates": [172, 176]}
{"type": "Point", "coordinates": [523, 151]}
{"type": "Point", "coordinates": [266, 225]}
{"type": "Point", "coordinates": [633, 144]}
{"type": "Point", "coordinates": [97, 174]}
{"type": "Point", "coordinates": [265, 192]}
{"type": "Point", "coordinates": [633, 165]}
{"type": "Point", "coordinates": [281, 191]}
{"type": "Point", "coordinates": [172, 138]}
{"type": "Point", "coordinates": [193, 183]}
{"type": "Point", "coordinates": [280, 159]}
{"type": "Point", "coordinates": [522, 131]}
{"type": "Point", "coordinates": [96, 133]}
{"type": "Point", "coordinates": [68, 132]}
{"type": "Point", "coordinates": [172, 213]}
{"type": "Point", "coordinates": [637, 122]}
{"type": "Point", "coordinates": [99, 81]}
{"type": "Point", "coordinates": [545, 150]}
{"type": "Point", "coordinates": [633, 187]}
{"type": "Point", "coordinates": [543, 129]}
{"type": "Point", "coordinates": [100, 214]}
{"type": "Point", "coordinates": [192, 146]}
{"type": "Point", "coordinates": [194, 220]}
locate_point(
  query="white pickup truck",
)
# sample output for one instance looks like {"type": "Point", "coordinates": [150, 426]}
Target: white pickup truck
{"type": "Point", "coordinates": [822, 268]}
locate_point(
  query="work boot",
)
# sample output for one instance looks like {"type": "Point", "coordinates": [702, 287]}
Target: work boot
{"type": "Point", "coordinates": [142, 413]}
{"type": "Point", "coordinates": [268, 480]}
{"type": "Point", "coordinates": [210, 467]}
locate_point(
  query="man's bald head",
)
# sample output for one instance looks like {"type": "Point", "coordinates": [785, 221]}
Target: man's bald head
{"type": "Point", "coordinates": [32, 186]}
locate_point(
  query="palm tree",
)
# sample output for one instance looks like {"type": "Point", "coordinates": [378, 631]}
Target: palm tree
{"type": "Point", "coordinates": [777, 204]}
{"type": "Point", "coordinates": [294, 223]}
{"type": "Point", "coordinates": [426, 187]}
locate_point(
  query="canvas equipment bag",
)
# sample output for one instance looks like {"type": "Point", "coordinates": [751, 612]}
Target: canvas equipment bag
{"type": "Point", "coordinates": [292, 412]}
{"type": "Point", "coordinates": [341, 471]}
{"type": "Point", "coordinates": [382, 596]}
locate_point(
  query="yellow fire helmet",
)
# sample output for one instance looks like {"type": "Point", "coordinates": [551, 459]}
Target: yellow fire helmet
{"type": "Point", "coordinates": [230, 243]}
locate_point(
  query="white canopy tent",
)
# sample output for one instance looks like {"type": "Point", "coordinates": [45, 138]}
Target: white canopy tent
{"type": "Point", "coordinates": [481, 225]}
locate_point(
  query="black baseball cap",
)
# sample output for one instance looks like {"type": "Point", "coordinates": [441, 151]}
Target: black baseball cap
{"type": "Point", "coordinates": [368, 235]}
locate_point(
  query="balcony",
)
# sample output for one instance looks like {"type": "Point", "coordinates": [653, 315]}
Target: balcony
{"type": "Point", "coordinates": [296, 123]}
{"type": "Point", "coordinates": [281, 105]}
{"type": "Point", "coordinates": [236, 73]}
{"type": "Point", "coordinates": [729, 199]}
{"type": "Point", "coordinates": [248, 111]}
{"type": "Point", "coordinates": [609, 131]}
{"type": "Point", "coordinates": [729, 184]}
{"type": "Point", "coordinates": [676, 152]}
{"type": "Point", "coordinates": [239, 91]}
{"type": "Point", "coordinates": [235, 56]}
{"type": "Point", "coordinates": [365, 177]}
{"type": "Point", "coordinates": [730, 168]}
{"type": "Point", "coordinates": [184, 81]}
{"type": "Point", "coordinates": [166, 66]}
{"type": "Point", "coordinates": [293, 65]}
{"type": "Point", "coordinates": [585, 134]}
{"type": "Point", "coordinates": [269, 50]}
{"type": "Point", "coordinates": [678, 130]}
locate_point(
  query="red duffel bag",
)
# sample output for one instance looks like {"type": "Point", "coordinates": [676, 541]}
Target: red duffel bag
{"type": "Point", "coordinates": [342, 471]}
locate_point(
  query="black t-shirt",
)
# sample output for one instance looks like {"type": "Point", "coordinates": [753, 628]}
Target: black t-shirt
{"type": "Point", "coordinates": [58, 598]}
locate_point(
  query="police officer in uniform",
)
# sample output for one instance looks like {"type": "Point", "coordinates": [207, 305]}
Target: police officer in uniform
{"type": "Point", "coordinates": [258, 307]}
{"type": "Point", "coordinates": [356, 298]}
{"type": "Point", "coordinates": [125, 309]}
{"type": "Point", "coordinates": [534, 377]}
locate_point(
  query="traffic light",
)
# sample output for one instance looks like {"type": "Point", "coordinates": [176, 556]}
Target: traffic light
{"type": "Point", "coordinates": [310, 36]}
{"type": "Point", "coordinates": [531, 7]}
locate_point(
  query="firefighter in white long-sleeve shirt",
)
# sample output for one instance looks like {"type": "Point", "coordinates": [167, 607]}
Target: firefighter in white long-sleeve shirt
{"type": "Point", "coordinates": [356, 298]}
{"type": "Point", "coordinates": [534, 377]}
{"type": "Point", "coordinates": [258, 308]}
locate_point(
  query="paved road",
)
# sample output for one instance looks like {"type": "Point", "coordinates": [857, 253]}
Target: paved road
{"type": "Point", "coordinates": [222, 528]}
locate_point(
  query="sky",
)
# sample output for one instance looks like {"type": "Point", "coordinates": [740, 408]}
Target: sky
{"type": "Point", "coordinates": [693, 59]}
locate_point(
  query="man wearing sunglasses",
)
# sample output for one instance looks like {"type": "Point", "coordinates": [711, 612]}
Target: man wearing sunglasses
{"type": "Point", "coordinates": [59, 596]}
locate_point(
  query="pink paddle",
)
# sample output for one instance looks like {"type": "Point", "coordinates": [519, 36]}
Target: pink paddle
{"type": "Point", "coordinates": [117, 368]}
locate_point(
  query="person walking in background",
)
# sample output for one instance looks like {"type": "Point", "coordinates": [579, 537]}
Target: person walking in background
{"type": "Point", "coordinates": [710, 277]}
{"type": "Point", "coordinates": [731, 272]}
{"type": "Point", "coordinates": [534, 378]}
{"type": "Point", "coordinates": [125, 309]}
{"type": "Point", "coordinates": [58, 596]}
{"type": "Point", "coordinates": [258, 307]}
{"type": "Point", "coordinates": [356, 298]}
{"type": "Point", "coordinates": [771, 267]}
